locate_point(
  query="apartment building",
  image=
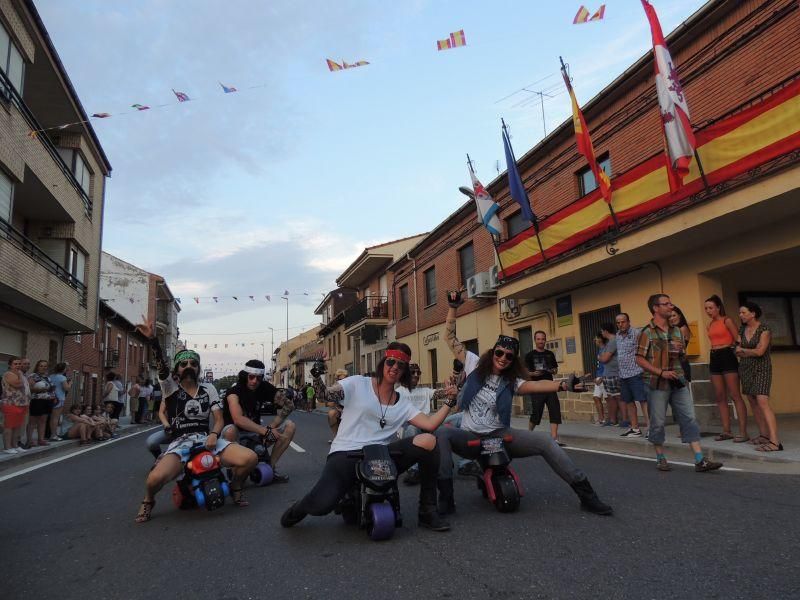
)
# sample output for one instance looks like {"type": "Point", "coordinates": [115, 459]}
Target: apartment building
{"type": "Point", "coordinates": [52, 182]}
{"type": "Point", "coordinates": [336, 343]}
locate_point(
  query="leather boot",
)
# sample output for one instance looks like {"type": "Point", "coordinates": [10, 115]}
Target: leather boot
{"type": "Point", "coordinates": [589, 499]}
{"type": "Point", "coordinates": [292, 516]}
{"type": "Point", "coordinates": [446, 504]}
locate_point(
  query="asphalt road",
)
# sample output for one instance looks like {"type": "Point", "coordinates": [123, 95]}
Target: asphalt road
{"type": "Point", "coordinates": [67, 531]}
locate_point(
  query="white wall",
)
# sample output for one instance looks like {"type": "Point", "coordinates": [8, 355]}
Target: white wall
{"type": "Point", "coordinates": [124, 287]}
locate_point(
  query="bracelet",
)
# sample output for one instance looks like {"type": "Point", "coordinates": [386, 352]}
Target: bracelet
{"type": "Point", "coordinates": [213, 433]}
{"type": "Point", "coordinates": [662, 373]}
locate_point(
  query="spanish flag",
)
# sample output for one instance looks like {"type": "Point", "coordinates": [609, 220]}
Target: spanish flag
{"type": "Point", "coordinates": [584, 141]}
{"type": "Point", "coordinates": [457, 38]}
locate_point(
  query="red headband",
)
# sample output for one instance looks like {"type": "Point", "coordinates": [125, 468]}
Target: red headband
{"type": "Point", "coordinates": [399, 355]}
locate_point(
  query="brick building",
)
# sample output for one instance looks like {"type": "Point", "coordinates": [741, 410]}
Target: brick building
{"type": "Point", "coordinates": [52, 184]}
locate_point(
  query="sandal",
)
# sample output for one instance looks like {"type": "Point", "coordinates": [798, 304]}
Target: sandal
{"type": "Point", "coordinates": [759, 440]}
{"type": "Point", "coordinates": [144, 511]}
{"type": "Point", "coordinates": [741, 438]}
{"type": "Point", "coordinates": [238, 498]}
{"type": "Point", "coordinates": [723, 436]}
{"type": "Point", "coordinates": [770, 447]}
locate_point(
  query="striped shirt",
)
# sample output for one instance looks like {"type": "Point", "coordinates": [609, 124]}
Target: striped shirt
{"type": "Point", "coordinates": [626, 353]}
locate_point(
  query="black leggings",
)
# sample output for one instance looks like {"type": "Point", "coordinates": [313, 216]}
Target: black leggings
{"type": "Point", "coordinates": [339, 476]}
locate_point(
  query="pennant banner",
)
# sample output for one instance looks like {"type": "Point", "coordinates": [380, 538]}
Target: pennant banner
{"type": "Point", "coordinates": [582, 16]}
{"type": "Point", "coordinates": [456, 40]}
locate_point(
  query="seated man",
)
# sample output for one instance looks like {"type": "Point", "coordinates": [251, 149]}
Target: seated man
{"type": "Point", "coordinates": [242, 413]}
{"type": "Point", "coordinates": [335, 409]}
{"type": "Point", "coordinates": [191, 415]}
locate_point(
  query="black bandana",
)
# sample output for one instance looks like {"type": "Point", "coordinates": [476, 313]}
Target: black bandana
{"type": "Point", "coordinates": [508, 342]}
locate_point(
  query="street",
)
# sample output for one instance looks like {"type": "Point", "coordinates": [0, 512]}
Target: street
{"type": "Point", "coordinates": [68, 532]}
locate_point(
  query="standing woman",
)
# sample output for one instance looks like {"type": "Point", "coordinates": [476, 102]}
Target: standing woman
{"type": "Point", "coordinates": [61, 387]}
{"type": "Point", "coordinates": [755, 368]}
{"type": "Point", "coordinates": [111, 394]}
{"type": "Point", "coordinates": [676, 319]}
{"type": "Point", "coordinates": [725, 369]}
{"type": "Point", "coordinates": [42, 401]}
{"type": "Point", "coordinates": [373, 414]}
{"type": "Point", "coordinates": [14, 404]}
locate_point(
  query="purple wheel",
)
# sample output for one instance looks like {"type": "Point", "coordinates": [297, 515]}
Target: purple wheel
{"type": "Point", "coordinates": [262, 474]}
{"type": "Point", "coordinates": [381, 521]}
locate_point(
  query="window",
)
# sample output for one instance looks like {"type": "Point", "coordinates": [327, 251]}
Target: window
{"type": "Point", "coordinates": [466, 262]}
{"type": "Point", "coordinates": [781, 311]}
{"type": "Point", "coordinates": [11, 62]}
{"type": "Point", "coordinates": [525, 338]}
{"type": "Point", "coordinates": [348, 342]}
{"type": "Point", "coordinates": [6, 195]}
{"type": "Point", "coordinates": [403, 301]}
{"type": "Point", "coordinates": [430, 286]}
{"type": "Point", "coordinates": [74, 160]}
{"type": "Point", "coordinates": [339, 342]}
{"type": "Point", "coordinates": [516, 223]}
{"type": "Point", "coordinates": [586, 180]}
{"type": "Point", "coordinates": [76, 264]}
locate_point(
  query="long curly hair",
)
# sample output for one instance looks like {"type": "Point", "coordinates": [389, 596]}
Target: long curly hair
{"type": "Point", "coordinates": [515, 370]}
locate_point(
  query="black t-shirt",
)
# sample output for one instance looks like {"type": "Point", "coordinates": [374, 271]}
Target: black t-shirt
{"type": "Point", "coordinates": [187, 414]}
{"type": "Point", "coordinates": [541, 361]}
{"type": "Point", "coordinates": [249, 401]}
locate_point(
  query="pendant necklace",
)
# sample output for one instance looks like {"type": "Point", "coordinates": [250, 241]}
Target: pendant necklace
{"type": "Point", "coordinates": [382, 421]}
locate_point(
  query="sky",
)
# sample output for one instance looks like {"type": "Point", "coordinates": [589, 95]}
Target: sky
{"type": "Point", "coordinates": [281, 185]}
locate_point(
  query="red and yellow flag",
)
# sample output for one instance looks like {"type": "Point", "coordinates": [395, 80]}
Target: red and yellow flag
{"type": "Point", "coordinates": [584, 142]}
{"type": "Point", "coordinates": [333, 66]}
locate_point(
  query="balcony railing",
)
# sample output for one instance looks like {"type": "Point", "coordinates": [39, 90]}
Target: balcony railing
{"type": "Point", "coordinates": [8, 93]}
{"type": "Point", "coordinates": [371, 307]}
{"type": "Point", "coordinates": [112, 359]}
{"type": "Point", "coordinates": [16, 238]}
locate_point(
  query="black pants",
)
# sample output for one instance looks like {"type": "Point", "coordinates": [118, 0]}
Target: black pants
{"type": "Point", "coordinates": [117, 410]}
{"type": "Point", "coordinates": [339, 476]}
{"type": "Point", "coordinates": [140, 410]}
{"type": "Point", "coordinates": [538, 402]}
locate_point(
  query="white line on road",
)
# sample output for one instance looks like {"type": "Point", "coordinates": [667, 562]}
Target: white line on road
{"type": "Point", "coordinates": [649, 459]}
{"type": "Point", "coordinates": [71, 454]}
{"type": "Point", "coordinates": [296, 447]}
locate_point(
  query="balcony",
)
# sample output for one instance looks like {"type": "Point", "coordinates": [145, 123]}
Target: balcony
{"type": "Point", "coordinates": [35, 284]}
{"type": "Point", "coordinates": [372, 310]}
{"type": "Point", "coordinates": [111, 359]}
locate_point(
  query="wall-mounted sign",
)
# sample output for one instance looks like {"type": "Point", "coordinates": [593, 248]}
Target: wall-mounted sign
{"type": "Point", "coordinates": [571, 347]}
{"type": "Point", "coordinates": [564, 311]}
{"type": "Point", "coordinates": [430, 338]}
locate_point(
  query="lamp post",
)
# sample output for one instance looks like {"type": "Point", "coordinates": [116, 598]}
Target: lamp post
{"type": "Point", "coordinates": [262, 354]}
{"type": "Point", "coordinates": [287, 338]}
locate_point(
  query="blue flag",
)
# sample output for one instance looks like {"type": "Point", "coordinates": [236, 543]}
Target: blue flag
{"type": "Point", "coordinates": [515, 186]}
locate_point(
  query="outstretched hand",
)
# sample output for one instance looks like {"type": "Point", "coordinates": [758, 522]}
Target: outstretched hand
{"type": "Point", "coordinates": [145, 328]}
{"type": "Point", "coordinates": [454, 298]}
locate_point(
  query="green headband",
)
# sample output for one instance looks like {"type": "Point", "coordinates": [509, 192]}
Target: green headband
{"type": "Point", "coordinates": [185, 355]}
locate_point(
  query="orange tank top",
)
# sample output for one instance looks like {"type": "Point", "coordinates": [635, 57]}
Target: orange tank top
{"type": "Point", "coordinates": [719, 334]}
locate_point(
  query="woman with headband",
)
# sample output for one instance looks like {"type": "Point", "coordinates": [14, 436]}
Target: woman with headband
{"type": "Point", "coordinates": [493, 380]}
{"type": "Point", "coordinates": [373, 414]}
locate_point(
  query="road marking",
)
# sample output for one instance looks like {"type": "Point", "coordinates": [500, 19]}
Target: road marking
{"type": "Point", "coordinates": [70, 455]}
{"type": "Point", "coordinates": [295, 447]}
{"type": "Point", "coordinates": [649, 459]}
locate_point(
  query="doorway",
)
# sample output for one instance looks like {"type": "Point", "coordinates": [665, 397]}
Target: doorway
{"type": "Point", "coordinates": [590, 326]}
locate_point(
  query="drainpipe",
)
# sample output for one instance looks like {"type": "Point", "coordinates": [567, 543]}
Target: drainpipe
{"type": "Point", "coordinates": [416, 302]}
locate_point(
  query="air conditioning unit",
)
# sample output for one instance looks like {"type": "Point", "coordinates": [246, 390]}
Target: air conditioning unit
{"type": "Point", "coordinates": [479, 285]}
{"type": "Point", "coordinates": [494, 276]}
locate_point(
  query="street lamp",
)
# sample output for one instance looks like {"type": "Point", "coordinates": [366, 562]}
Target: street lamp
{"type": "Point", "coordinates": [467, 192]}
{"type": "Point", "coordinates": [262, 354]}
{"type": "Point", "coordinates": [287, 339]}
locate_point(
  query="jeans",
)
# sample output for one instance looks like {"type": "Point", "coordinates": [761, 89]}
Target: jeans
{"type": "Point", "coordinates": [524, 443]}
{"type": "Point", "coordinates": [682, 410]}
{"type": "Point", "coordinates": [454, 420]}
{"type": "Point", "coordinates": [155, 441]}
{"type": "Point", "coordinates": [339, 476]}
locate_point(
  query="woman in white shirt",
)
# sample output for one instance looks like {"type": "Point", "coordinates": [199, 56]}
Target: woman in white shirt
{"type": "Point", "coordinates": [373, 414]}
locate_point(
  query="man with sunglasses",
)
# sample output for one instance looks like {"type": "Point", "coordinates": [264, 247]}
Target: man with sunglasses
{"type": "Point", "coordinates": [191, 414]}
{"type": "Point", "coordinates": [242, 413]}
{"type": "Point", "coordinates": [493, 379]}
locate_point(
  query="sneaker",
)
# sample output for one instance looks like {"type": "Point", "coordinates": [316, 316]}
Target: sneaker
{"type": "Point", "coordinates": [707, 465]}
{"type": "Point", "coordinates": [598, 423]}
{"type": "Point", "coordinates": [279, 478]}
{"type": "Point", "coordinates": [632, 433]}
{"type": "Point", "coordinates": [560, 443]}
{"type": "Point", "coordinates": [609, 424]}
{"type": "Point", "coordinates": [647, 435]}
{"type": "Point", "coordinates": [663, 465]}
{"type": "Point", "coordinates": [470, 469]}
{"type": "Point", "coordinates": [11, 451]}
{"type": "Point", "coordinates": [56, 438]}
{"type": "Point", "coordinates": [430, 519]}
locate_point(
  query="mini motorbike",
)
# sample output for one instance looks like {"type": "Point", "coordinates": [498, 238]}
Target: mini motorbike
{"type": "Point", "coordinates": [499, 482]}
{"type": "Point", "coordinates": [262, 474]}
{"type": "Point", "coordinates": [203, 483]}
{"type": "Point", "coordinates": [374, 502]}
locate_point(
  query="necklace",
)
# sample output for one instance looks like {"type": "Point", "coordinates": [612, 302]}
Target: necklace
{"type": "Point", "coordinates": [382, 421]}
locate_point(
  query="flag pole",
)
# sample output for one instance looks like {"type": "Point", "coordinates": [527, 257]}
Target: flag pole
{"type": "Point", "coordinates": [702, 171]}
{"type": "Point", "coordinates": [472, 195]}
{"type": "Point", "coordinates": [514, 158]}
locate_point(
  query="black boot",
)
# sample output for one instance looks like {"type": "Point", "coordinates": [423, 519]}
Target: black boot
{"type": "Point", "coordinates": [430, 518]}
{"type": "Point", "coordinates": [589, 499]}
{"type": "Point", "coordinates": [292, 516]}
{"type": "Point", "coordinates": [446, 504]}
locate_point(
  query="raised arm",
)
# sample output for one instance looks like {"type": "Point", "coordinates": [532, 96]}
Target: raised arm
{"type": "Point", "coordinates": [162, 366]}
{"type": "Point", "coordinates": [456, 347]}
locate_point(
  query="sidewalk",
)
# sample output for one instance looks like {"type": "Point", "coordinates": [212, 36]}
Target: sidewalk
{"type": "Point", "coordinates": [125, 428]}
{"type": "Point", "coordinates": [743, 456]}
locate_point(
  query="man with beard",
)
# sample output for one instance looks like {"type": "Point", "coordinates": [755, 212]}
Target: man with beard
{"type": "Point", "coordinates": [187, 413]}
{"type": "Point", "coordinates": [242, 413]}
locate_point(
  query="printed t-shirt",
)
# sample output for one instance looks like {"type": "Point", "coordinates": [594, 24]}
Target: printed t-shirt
{"type": "Point", "coordinates": [189, 414]}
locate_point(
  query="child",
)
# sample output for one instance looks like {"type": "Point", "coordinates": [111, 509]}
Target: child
{"type": "Point", "coordinates": [599, 393]}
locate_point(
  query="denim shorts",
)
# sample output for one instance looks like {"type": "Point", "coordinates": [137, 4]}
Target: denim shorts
{"type": "Point", "coordinates": [632, 389]}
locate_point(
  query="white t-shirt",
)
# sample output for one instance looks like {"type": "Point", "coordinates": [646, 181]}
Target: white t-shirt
{"type": "Point", "coordinates": [481, 416]}
{"type": "Point", "coordinates": [362, 413]}
{"type": "Point", "coordinates": [420, 397]}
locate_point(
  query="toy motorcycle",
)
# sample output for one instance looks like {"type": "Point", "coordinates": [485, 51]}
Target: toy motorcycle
{"type": "Point", "coordinates": [203, 483]}
{"type": "Point", "coordinates": [499, 483]}
{"type": "Point", "coordinates": [262, 474]}
{"type": "Point", "coordinates": [374, 502]}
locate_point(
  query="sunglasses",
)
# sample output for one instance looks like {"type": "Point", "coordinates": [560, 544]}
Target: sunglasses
{"type": "Point", "coordinates": [188, 363]}
{"type": "Point", "coordinates": [502, 353]}
{"type": "Point", "coordinates": [391, 362]}
{"type": "Point", "coordinates": [251, 376]}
